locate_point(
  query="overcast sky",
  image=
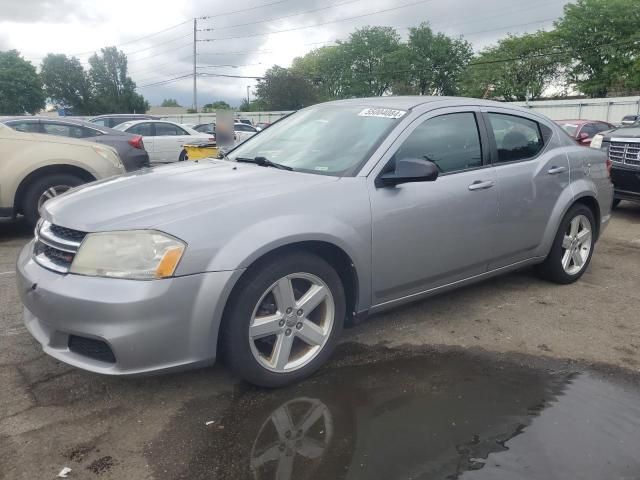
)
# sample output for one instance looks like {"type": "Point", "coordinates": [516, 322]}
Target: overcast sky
{"type": "Point", "coordinates": [79, 27]}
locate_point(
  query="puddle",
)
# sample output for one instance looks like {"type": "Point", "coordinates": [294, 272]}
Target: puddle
{"type": "Point", "coordinates": [428, 416]}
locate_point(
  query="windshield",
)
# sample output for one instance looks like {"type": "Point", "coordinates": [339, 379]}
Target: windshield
{"type": "Point", "coordinates": [570, 128]}
{"type": "Point", "coordinates": [324, 139]}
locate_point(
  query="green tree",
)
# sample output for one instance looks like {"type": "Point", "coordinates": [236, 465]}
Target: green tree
{"type": "Point", "coordinates": [219, 105]}
{"type": "Point", "coordinates": [114, 91]}
{"type": "Point", "coordinates": [170, 102]}
{"type": "Point", "coordinates": [283, 89]}
{"type": "Point", "coordinates": [373, 56]}
{"type": "Point", "coordinates": [328, 69]}
{"type": "Point", "coordinates": [20, 86]}
{"type": "Point", "coordinates": [601, 36]}
{"type": "Point", "coordinates": [516, 68]}
{"type": "Point", "coordinates": [66, 83]}
{"type": "Point", "coordinates": [437, 61]}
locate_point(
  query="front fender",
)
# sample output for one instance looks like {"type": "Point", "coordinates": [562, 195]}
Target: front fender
{"type": "Point", "coordinates": [257, 240]}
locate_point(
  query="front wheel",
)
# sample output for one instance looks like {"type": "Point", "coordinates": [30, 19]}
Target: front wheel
{"type": "Point", "coordinates": [43, 190]}
{"type": "Point", "coordinates": [572, 248]}
{"type": "Point", "coordinates": [284, 320]}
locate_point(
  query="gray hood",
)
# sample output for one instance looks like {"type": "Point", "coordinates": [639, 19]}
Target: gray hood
{"type": "Point", "coordinates": [152, 197]}
{"type": "Point", "coordinates": [622, 132]}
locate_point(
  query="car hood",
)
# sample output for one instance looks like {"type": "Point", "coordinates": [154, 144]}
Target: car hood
{"type": "Point", "coordinates": [150, 198]}
{"type": "Point", "coordinates": [622, 132]}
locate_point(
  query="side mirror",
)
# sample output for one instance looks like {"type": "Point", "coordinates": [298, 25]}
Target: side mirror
{"type": "Point", "coordinates": [409, 170]}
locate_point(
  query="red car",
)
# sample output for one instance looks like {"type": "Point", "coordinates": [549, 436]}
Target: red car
{"type": "Point", "coordinates": [583, 131]}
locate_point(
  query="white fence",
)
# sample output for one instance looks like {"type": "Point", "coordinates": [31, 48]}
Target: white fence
{"type": "Point", "coordinates": [196, 118]}
{"type": "Point", "coordinates": [608, 109]}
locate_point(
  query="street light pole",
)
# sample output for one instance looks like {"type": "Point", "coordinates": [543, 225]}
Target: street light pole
{"type": "Point", "coordinates": [248, 97]}
{"type": "Point", "coordinates": [195, 85]}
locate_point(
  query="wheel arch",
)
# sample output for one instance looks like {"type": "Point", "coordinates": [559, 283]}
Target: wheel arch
{"type": "Point", "coordinates": [43, 172]}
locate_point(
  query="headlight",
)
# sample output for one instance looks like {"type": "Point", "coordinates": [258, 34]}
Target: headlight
{"type": "Point", "coordinates": [136, 255]}
{"type": "Point", "coordinates": [597, 141]}
{"type": "Point", "coordinates": [109, 155]}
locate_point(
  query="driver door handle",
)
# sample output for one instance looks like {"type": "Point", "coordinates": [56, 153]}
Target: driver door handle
{"type": "Point", "coordinates": [556, 170]}
{"type": "Point", "coordinates": [480, 185]}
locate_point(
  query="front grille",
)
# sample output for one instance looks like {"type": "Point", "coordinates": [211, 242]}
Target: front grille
{"type": "Point", "coordinates": [625, 153]}
{"type": "Point", "coordinates": [56, 246]}
{"type": "Point", "coordinates": [67, 233]}
{"type": "Point", "coordinates": [92, 348]}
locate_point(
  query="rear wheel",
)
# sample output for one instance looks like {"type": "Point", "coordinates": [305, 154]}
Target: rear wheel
{"type": "Point", "coordinates": [572, 248]}
{"type": "Point", "coordinates": [44, 189]}
{"type": "Point", "coordinates": [284, 320]}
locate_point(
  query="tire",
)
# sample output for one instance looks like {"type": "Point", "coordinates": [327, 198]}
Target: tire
{"type": "Point", "coordinates": [616, 202]}
{"type": "Point", "coordinates": [183, 156]}
{"type": "Point", "coordinates": [37, 189]}
{"type": "Point", "coordinates": [256, 296]}
{"type": "Point", "coordinates": [552, 268]}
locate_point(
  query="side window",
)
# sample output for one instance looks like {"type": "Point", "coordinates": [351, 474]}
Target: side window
{"type": "Point", "coordinates": [450, 141]}
{"type": "Point", "coordinates": [100, 121]}
{"type": "Point", "coordinates": [517, 138]}
{"type": "Point", "coordinates": [90, 132]}
{"type": "Point", "coordinates": [30, 127]}
{"type": "Point", "coordinates": [602, 127]}
{"type": "Point", "coordinates": [144, 129]}
{"type": "Point", "coordinates": [63, 130]}
{"type": "Point", "coordinates": [166, 129]}
{"type": "Point", "coordinates": [590, 129]}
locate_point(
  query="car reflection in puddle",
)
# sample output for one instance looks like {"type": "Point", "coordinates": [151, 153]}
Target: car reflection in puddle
{"type": "Point", "coordinates": [430, 416]}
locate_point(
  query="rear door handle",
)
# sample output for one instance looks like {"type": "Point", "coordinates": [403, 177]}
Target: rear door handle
{"type": "Point", "coordinates": [480, 185]}
{"type": "Point", "coordinates": [556, 170]}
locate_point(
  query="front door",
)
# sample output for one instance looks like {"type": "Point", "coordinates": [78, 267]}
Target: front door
{"type": "Point", "coordinates": [429, 234]}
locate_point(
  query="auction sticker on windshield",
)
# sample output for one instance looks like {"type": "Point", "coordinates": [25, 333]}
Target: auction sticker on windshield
{"type": "Point", "coordinates": [382, 113]}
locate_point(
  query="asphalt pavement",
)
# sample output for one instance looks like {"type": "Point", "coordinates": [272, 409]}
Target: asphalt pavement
{"type": "Point", "coordinates": [510, 378]}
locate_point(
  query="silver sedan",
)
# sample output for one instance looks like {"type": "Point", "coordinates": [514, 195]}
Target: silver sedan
{"type": "Point", "coordinates": [340, 210]}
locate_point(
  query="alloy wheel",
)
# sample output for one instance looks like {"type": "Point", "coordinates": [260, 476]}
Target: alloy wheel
{"type": "Point", "coordinates": [291, 322]}
{"type": "Point", "coordinates": [52, 192]}
{"type": "Point", "coordinates": [576, 245]}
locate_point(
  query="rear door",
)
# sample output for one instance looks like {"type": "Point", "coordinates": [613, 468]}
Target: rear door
{"type": "Point", "coordinates": [428, 234]}
{"type": "Point", "coordinates": [531, 176]}
{"type": "Point", "coordinates": [147, 131]}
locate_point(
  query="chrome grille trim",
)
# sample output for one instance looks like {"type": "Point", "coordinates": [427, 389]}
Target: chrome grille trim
{"type": "Point", "coordinates": [52, 251]}
{"type": "Point", "coordinates": [625, 153]}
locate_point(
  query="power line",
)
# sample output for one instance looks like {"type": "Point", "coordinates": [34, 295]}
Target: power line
{"type": "Point", "coordinates": [344, 19]}
{"type": "Point", "coordinates": [169, 80]}
{"type": "Point", "coordinates": [157, 44]}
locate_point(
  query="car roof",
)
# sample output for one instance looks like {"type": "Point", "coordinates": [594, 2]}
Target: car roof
{"type": "Point", "coordinates": [119, 115]}
{"type": "Point", "coordinates": [67, 120]}
{"type": "Point", "coordinates": [581, 122]}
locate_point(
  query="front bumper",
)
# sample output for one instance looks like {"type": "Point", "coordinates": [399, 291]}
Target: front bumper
{"type": "Point", "coordinates": [626, 182]}
{"type": "Point", "coordinates": [148, 325]}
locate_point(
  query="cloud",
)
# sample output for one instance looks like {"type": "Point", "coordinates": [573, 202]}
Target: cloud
{"type": "Point", "coordinates": [168, 54]}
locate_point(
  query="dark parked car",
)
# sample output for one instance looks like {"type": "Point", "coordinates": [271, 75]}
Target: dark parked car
{"type": "Point", "coordinates": [130, 147]}
{"type": "Point", "coordinates": [583, 131]}
{"type": "Point", "coordinates": [209, 128]}
{"type": "Point", "coordinates": [114, 119]}
{"type": "Point", "coordinates": [623, 146]}
{"type": "Point", "coordinates": [630, 119]}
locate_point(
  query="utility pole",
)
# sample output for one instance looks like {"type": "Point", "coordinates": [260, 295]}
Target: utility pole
{"type": "Point", "coordinates": [195, 85]}
{"type": "Point", "coordinates": [248, 98]}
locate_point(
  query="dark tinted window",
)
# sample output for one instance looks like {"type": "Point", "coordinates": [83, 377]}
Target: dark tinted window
{"type": "Point", "coordinates": [603, 126]}
{"type": "Point", "coordinates": [451, 141]}
{"type": "Point", "coordinates": [27, 126]}
{"type": "Point", "coordinates": [205, 128]}
{"type": "Point", "coordinates": [517, 138]}
{"type": "Point", "coordinates": [590, 129]}
{"type": "Point", "coordinates": [167, 129]}
{"type": "Point", "coordinates": [144, 129]}
{"type": "Point", "coordinates": [64, 130]}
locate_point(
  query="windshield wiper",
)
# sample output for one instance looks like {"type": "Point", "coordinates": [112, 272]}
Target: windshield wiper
{"type": "Point", "coordinates": [263, 162]}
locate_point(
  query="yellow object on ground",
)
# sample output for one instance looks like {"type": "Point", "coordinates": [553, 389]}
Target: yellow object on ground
{"type": "Point", "coordinates": [196, 152]}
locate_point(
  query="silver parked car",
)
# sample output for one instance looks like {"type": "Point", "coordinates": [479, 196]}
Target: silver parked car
{"type": "Point", "coordinates": [342, 209]}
